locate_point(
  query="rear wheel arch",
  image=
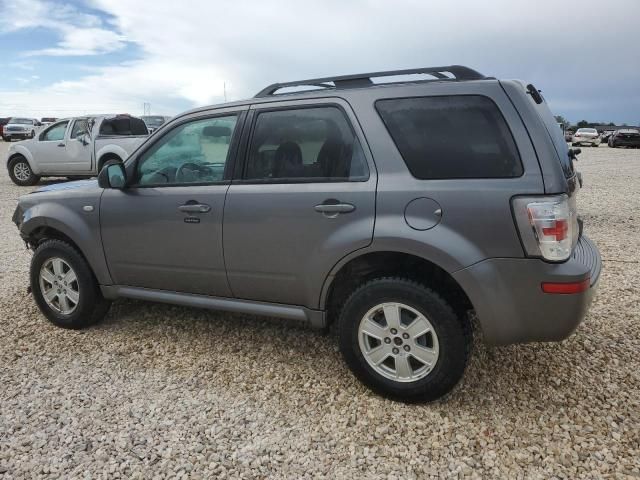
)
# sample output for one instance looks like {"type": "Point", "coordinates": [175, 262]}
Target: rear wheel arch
{"type": "Point", "coordinates": [107, 157]}
{"type": "Point", "coordinates": [371, 265]}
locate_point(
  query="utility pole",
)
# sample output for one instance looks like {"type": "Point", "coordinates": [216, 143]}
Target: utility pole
{"type": "Point", "coordinates": [146, 108]}
{"type": "Point", "coordinates": [224, 89]}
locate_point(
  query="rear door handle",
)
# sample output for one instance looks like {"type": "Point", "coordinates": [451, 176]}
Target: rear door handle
{"type": "Point", "coordinates": [194, 208]}
{"type": "Point", "coordinates": [61, 144]}
{"type": "Point", "coordinates": [334, 208]}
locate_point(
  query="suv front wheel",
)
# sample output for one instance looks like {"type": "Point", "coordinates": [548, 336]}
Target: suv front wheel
{"type": "Point", "coordinates": [64, 287]}
{"type": "Point", "coordinates": [403, 340]}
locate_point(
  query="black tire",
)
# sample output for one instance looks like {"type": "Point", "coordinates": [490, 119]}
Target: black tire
{"type": "Point", "coordinates": [6, 139]}
{"type": "Point", "coordinates": [453, 334]}
{"type": "Point", "coordinates": [21, 162]}
{"type": "Point", "coordinates": [33, 134]}
{"type": "Point", "coordinates": [91, 306]}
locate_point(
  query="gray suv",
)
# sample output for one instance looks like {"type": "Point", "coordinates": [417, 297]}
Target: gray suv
{"type": "Point", "coordinates": [390, 209]}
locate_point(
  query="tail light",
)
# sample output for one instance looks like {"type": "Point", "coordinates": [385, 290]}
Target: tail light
{"type": "Point", "coordinates": [548, 225]}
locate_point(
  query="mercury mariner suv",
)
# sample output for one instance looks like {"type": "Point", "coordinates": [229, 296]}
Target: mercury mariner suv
{"type": "Point", "coordinates": [391, 204]}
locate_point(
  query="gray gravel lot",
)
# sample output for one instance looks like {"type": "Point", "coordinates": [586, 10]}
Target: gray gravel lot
{"type": "Point", "coordinates": [160, 391]}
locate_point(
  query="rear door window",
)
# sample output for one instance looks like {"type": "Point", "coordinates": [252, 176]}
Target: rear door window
{"type": "Point", "coordinates": [445, 137]}
{"type": "Point", "coordinates": [310, 144]}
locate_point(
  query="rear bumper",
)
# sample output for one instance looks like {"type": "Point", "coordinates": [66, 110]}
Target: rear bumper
{"type": "Point", "coordinates": [512, 308]}
{"type": "Point", "coordinates": [584, 140]}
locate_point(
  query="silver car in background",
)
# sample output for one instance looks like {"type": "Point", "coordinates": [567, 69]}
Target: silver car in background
{"type": "Point", "coordinates": [20, 128]}
{"type": "Point", "coordinates": [586, 136]}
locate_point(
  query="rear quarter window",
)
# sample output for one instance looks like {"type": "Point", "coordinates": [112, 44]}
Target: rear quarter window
{"type": "Point", "coordinates": [462, 136]}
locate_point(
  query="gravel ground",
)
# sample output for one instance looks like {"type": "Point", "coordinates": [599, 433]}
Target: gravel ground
{"type": "Point", "coordinates": [159, 391]}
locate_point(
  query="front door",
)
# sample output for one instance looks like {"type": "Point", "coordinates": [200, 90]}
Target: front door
{"type": "Point", "coordinates": [49, 150]}
{"type": "Point", "coordinates": [165, 231]}
{"type": "Point", "coordinates": [304, 200]}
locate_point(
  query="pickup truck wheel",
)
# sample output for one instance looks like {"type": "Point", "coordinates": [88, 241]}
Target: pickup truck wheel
{"type": "Point", "coordinates": [64, 287]}
{"type": "Point", "coordinates": [21, 173]}
{"type": "Point", "coordinates": [403, 340]}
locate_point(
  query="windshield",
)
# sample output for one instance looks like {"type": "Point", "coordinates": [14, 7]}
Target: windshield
{"type": "Point", "coordinates": [21, 121]}
{"type": "Point", "coordinates": [153, 121]}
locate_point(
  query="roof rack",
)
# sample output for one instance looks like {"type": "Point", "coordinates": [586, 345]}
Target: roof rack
{"type": "Point", "coordinates": [459, 72]}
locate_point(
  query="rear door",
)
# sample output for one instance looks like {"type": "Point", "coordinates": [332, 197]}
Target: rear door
{"type": "Point", "coordinates": [78, 148]}
{"type": "Point", "coordinates": [303, 198]}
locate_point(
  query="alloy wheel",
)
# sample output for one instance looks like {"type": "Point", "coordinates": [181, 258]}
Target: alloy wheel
{"type": "Point", "coordinates": [398, 342]}
{"type": "Point", "coordinates": [59, 286]}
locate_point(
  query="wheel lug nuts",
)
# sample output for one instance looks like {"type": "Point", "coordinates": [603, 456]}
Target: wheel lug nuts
{"type": "Point", "coordinates": [395, 350]}
{"type": "Point", "coordinates": [405, 335]}
{"type": "Point", "coordinates": [393, 331]}
{"type": "Point", "coordinates": [407, 348]}
{"type": "Point", "coordinates": [387, 340]}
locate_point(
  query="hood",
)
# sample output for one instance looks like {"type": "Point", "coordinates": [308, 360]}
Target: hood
{"type": "Point", "coordinates": [69, 186]}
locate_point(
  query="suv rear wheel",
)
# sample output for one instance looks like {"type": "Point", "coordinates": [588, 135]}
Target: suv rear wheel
{"type": "Point", "coordinates": [64, 287]}
{"type": "Point", "coordinates": [21, 173]}
{"type": "Point", "coordinates": [403, 340]}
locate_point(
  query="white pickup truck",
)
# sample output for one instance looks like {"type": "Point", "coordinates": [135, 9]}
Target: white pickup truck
{"type": "Point", "coordinates": [75, 147]}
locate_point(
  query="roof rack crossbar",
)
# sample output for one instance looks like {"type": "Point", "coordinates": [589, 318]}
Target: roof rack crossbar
{"type": "Point", "coordinates": [459, 72]}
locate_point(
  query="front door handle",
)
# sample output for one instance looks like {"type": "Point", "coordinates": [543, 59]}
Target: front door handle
{"type": "Point", "coordinates": [334, 207]}
{"type": "Point", "coordinates": [194, 208]}
{"type": "Point", "coordinates": [61, 144]}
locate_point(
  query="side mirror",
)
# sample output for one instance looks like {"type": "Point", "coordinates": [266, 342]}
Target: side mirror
{"type": "Point", "coordinates": [112, 175]}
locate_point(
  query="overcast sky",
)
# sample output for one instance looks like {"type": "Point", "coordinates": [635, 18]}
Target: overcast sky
{"type": "Point", "coordinates": [63, 58]}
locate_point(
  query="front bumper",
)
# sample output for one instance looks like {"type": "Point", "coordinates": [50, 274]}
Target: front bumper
{"type": "Point", "coordinates": [512, 308]}
{"type": "Point", "coordinates": [21, 135]}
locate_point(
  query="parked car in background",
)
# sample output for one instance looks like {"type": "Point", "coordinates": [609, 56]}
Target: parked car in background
{"type": "Point", "coordinates": [46, 121]}
{"type": "Point", "coordinates": [605, 135]}
{"type": "Point", "coordinates": [330, 206]}
{"type": "Point", "coordinates": [568, 135]}
{"type": "Point", "coordinates": [154, 121]}
{"type": "Point", "coordinates": [627, 137]}
{"type": "Point", "coordinates": [20, 128]}
{"type": "Point", "coordinates": [3, 122]}
{"type": "Point", "coordinates": [75, 147]}
{"type": "Point", "coordinates": [586, 136]}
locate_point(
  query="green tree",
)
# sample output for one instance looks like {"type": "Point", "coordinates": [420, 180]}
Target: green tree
{"type": "Point", "coordinates": [582, 124]}
{"type": "Point", "coordinates": [562, 120]}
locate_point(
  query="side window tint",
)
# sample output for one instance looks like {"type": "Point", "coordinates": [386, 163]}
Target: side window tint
{"type": "Point", "coordinates": [79, 126]}
{"type": "Point", "coordinates": [194, 152]}
{"type": "Point", "coordinates": [307, 144]}
{"type": "Point", "coordinates": [462, 136]}
{"type": "Point", "coordinates": [55, 132]}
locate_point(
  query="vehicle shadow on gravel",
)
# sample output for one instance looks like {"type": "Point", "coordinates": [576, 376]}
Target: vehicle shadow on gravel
{"type": "Point", "coordinates": [534, 376]}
